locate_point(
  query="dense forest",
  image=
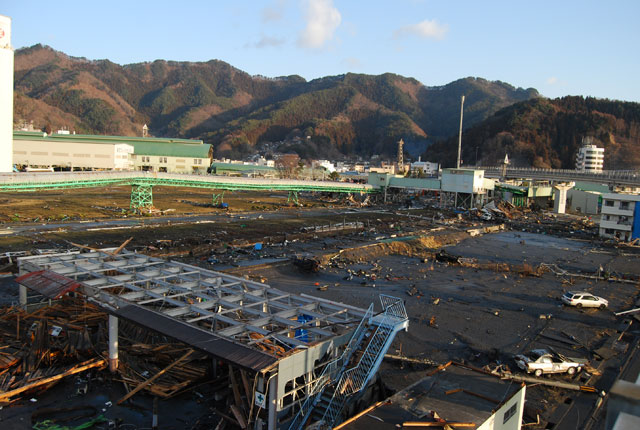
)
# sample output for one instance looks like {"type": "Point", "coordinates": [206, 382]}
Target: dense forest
{"type": "Point", "coordinates": [346, 115]}
{"type": "Point", "coordinates": [547, 133]}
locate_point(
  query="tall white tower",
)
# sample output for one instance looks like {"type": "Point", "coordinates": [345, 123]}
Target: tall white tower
{"type": "Point", "coordinates": [6, 96]}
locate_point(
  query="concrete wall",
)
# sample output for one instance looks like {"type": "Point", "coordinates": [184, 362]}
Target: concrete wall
{"type": "Point", "coordinates": [624, 397]}
{"type": "Point", "coordinates": [509, 416]}
{"type": "Point", "coordinates": [584, 202]}
{"type": "Point", "coordinates": [170, 164]}
{"type": "Point", "coordinates": [72, 154]}
{"type": "Point", "coordinates": [466, 181]}
{"type": "Point", "coordinates": [415, 183]}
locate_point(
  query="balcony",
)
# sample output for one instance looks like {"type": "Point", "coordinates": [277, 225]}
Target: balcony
{"type": "Point", "coordinates": [615, 226]}
{"type": "Point", "coordinates": [617, 210]}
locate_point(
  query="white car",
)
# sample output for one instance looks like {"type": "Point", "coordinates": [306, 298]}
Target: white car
{"type": "Point", "coordinates": [581, 299]}
{"type": "Point", "coordinates": [539, 361]}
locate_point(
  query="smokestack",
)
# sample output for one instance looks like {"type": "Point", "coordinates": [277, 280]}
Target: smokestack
{"type": "Point", "coordinates": [6, 96]}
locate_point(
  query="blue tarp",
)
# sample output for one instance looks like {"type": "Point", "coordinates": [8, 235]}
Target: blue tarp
{"type": "Point", "coordinates": [635, 228]}
{"type": "Point", "coordinates": [302, 334]}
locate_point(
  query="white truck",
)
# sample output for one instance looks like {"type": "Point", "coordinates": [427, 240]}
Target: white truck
{"type": "Point", "coordinates": [541, 361]}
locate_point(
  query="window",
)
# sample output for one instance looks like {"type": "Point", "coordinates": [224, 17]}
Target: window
{"type": "Point", "coordinates": [509, 413]}
{"type": "Point", "coordinates": [624, 205]}
{"type": "Point", "coordinates": [163, 159]}
{"type": "Point", "coordinates": [608, 231]}
{"type": "Point", "coordinates": [197, 161]}
{"type": "Point", "coordinates": [608, 203]}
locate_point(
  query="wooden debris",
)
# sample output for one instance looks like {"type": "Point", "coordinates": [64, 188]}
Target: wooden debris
{"type": "Point", "coordinates": [90, 364]}
{"type": "Point", "coordinates": [154, 377]}
{"type": "Point", "coordinates": [442, 424]}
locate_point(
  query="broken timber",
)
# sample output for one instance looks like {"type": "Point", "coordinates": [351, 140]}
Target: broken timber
{"type": "Point", "coordinates": [4, 397]}
{"type": "Point", "coordinates": [549, 382]}
{"type": "Point", "coordinates": [154, 377]}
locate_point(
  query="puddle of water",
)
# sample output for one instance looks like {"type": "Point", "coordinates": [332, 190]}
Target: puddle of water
{"type": "Point", "coordinates": [541, 240]}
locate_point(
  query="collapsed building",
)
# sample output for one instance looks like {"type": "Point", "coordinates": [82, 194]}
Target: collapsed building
{"type": "Point", "coordinates": [304, 358]}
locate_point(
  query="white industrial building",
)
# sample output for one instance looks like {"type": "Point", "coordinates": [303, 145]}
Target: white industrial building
{"type": "Point", "coordinates": [590, 158]}
{"type": "Point", "coordinates": [39, 150]}
{"type": "Point", "coordinates": [172, 157]}
{"type": "Point", "coordinates": [425, 167]}
{"type": "Point", "coordinates": [466, 188]}
{"type": "Point", "coordinates": [620, 217]}
{"type": "Point", "coordinates": [584, 202]}
{"type": "Point", "coordinates": [62, 151]}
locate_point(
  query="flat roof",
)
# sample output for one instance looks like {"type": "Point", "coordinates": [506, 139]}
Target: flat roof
{"type": "Point", "coordinates": [461, 170]}
{"type": "Point", "coordinates": [96, 138]}
{"type": "Point", "coordinates": [239, 167]}
{"type": "Point", "coordinates": [454, 393]}
{"type": "Point", "coordinates": [170, 147]}
{"type": "Point", "coordinates": [244, 322]}
{"type": "Point", "coordinates": [622, 196]}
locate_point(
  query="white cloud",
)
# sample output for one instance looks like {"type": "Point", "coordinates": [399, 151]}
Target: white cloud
{"type": "Point", "coordinates": [269, 42]}
{"type": "Point", "coordinates": [552, 80]}
{"type": "Point", "coordinates": [273, 13]}
{"type": "Point", "coordinates": [322, 21]}
{"type": "Point", "coordinates": [427, 29]}
{"type": "Point", "coordinates": [352, 62]}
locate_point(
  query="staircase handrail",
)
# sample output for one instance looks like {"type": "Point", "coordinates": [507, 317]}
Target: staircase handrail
{"type": "Point", "coordinates": [333, 369]}
{"type": "Point", "coordinates": [354, 379]}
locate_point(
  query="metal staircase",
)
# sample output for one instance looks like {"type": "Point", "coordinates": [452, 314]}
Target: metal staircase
{"type": "Point", "coordinates": [331, 371]}
{"type": "Point", "coordinates": [350, 374]}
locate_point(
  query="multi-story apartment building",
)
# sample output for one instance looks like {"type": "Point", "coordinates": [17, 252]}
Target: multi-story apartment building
{"type": "Point", "coordinates": [620, 216]}
{"type": "Point", "coordinates": [590, 158]}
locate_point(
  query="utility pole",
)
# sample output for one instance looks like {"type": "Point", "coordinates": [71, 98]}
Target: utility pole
{"type": "Point", "coordinates": [460, 133]}
{"type": "Point", "coordinates": [400, 156]}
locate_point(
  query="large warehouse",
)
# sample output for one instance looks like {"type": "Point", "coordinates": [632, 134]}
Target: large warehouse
{"type": "Point", "coordinates": [93, 152]}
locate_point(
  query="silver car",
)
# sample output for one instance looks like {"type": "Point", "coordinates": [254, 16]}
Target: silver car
{"type": "Point", "coordinates": [541, 361]}
{"type": "Point", "coordinates": [581, 299]}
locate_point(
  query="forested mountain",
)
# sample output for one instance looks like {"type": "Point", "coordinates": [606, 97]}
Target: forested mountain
{"type": "Point", "coordinates": [548, 133]}
{"type": "Point", "coordinates": [350, 114]}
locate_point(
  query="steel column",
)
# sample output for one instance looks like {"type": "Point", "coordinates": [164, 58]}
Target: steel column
{"type": "Point", "coordinates": [113, 343]}
{"type": "Point", "coordinates": [141, 196]}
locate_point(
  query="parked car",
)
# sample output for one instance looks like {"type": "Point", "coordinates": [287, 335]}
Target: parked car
{"type": "Point", "coordinates": [581, 299]}
{"type": "Point", "coordinates": [541, 361]}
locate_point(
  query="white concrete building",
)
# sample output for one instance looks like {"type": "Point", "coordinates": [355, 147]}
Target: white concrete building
{"type": "Point", "coordinates": [465, 188]}
{"type": "Point", "coordinates": [425, 167]}
{"type": "Point", "coordinates": [38, 150]}
{"type": "Point", "coordinates": [620, 216]}
{"type": "Point", "coordinates": [75, 151]}
{"type": "Point", "coordinates": [328, 165]}
{"type": "Point", "coordinates": [6, 95]}
{"type": "Point", "coordinates": [584, 202]}
{"type": "Point", "coordinates": [590, 158]}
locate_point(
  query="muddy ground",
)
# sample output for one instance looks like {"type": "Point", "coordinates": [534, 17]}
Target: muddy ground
{"type": "Point", "coordinates": [481, 312]}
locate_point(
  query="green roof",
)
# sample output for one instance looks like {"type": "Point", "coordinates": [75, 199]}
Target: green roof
{"type": "Point", "coordinates": [188, 148]}
{"type": "Point", "coordinates": [172, 149]}
{"type": "Point", "coordinates": [95, 138]}
{"type": "Point", "coordinates": [238, 167]}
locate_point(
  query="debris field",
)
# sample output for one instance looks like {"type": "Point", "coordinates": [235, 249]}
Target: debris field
{"type": "Point", "coordinates": [477, 293]}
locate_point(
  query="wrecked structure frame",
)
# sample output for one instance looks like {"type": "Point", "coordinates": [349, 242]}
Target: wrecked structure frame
{"type": "Point", "coordinates": [283, 340]}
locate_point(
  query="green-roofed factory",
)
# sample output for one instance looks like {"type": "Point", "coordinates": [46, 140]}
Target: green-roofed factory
{"type": "Point", "coordinates": [93, 152]}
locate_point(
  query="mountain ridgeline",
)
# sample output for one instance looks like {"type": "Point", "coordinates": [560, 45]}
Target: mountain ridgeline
{"type": "Point", "coordinates": [352, 114]}
{"type": "Point", "coordinates": [548, 133]}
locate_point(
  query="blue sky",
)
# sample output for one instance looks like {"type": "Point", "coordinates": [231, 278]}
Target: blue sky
{"type": "Point", "coordinates": [560, 47]}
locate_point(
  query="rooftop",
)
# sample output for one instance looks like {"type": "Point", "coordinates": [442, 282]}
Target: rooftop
{"type": "Point", "coordinates": [454, 393]}
{"type": "Point", "coordinates": [171, 147]}
{"type": "Point", "coordinates": [95, 138]}
{"type": "Point", "coordinates": [241, 321]}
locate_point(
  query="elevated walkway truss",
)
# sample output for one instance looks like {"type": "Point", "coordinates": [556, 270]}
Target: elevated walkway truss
{"type": "Point", "coordinates": [142, 183]}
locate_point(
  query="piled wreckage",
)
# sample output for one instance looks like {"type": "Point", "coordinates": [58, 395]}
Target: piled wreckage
{"type": "Point", "coordinates": [69, 337]}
